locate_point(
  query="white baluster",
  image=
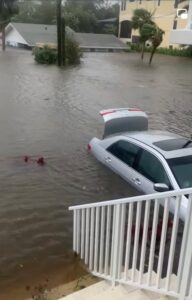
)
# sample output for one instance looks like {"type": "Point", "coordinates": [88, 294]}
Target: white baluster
{"type": "Point", "coordinates": [78, 230]}
{"type": "Point", "coordinates": [82, 233]}
{"type": "Point", "coordinates": [187, 265]}
{"type": "Point", "coordinates": [128, 240]}
{"type": "Point", "coordinates": [87, 235]}
{"type": "Point", "coordinates": [173, 242]}
{"type": "Point", "coordinates": [136, 239]}
{"type": "Point", "coordinates": [106, 270]}
{"type": "Point", "coordinates": [162, 242]}
{"type": "Point", "coordinates": [144, 240]}
{"type": "Point", "coordinates": [113, 241]}
{"type": "Point", "coordinates": [116, 243]}
{"type": "Point", "coordinates": [184, 242]}
{"type": "Point", "coordinates": [75, 230]}
{"type": "Point", "coordinates": [101, 251]}
{"type": "Point", "coordinates": [153, 241]}
{"type": "Point", "coordinates": [92, 238]}
{"type": "Point", "coordinates": [121, 238]}
{"type": "Point", "coordinates": [96, 243]}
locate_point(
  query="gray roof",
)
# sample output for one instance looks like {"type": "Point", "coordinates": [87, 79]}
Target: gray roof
{"type": "Point", "coordinates": [96, 40]}
{"type": "Point", "coordinates": [47, 34]}
{"type": "Point", "coordinates": [151, 136]}
{"type": "Point", "coordinates": [37, 33]}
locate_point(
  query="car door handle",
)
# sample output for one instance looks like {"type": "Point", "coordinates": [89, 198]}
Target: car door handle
{"type": "Point", "coordinates": [136, 181]}
{"type": "Point", "coordinates": [107, 159]}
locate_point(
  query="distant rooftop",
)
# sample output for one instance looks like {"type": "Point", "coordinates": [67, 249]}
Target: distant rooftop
{"type": "Point", "coordinates": [35, 34]}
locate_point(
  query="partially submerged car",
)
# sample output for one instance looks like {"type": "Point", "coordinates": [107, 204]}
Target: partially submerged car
{"type": "Point", "coordinates": [150, 160]}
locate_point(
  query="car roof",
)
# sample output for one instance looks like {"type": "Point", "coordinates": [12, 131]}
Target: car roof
{"type": "Point", "coordinates": [155, 136]}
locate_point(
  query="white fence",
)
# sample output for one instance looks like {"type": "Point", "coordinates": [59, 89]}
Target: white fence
{"type": "Point", "coordinates": [137, 241]}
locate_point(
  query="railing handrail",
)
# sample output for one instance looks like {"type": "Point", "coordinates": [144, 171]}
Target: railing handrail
{"type": "Point", "coordinates": [141, 198]}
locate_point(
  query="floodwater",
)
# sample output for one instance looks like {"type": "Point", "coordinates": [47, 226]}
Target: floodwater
{"type": "Point", "coordinates": [45, 111]}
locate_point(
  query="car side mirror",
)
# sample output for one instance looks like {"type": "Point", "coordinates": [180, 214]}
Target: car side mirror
{"type": "Point", "coordinates": [161, 187]}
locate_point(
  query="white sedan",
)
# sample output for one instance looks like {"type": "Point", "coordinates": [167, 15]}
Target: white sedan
{"type": "Point", "coordinates": [150, 160]}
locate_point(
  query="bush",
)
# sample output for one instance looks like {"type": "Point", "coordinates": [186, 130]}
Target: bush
{"type": "Point", "coordinates": [73, 52]}
{"type": "Point", "coordinates": [45, 55]}
{"type": "Point", "coordinates": [48, 56]}
{"type": "Point", "coordinates": [185, 52]}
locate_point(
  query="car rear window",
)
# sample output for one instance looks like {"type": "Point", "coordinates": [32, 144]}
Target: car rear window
{"type": "Point", "coordinates": [174, 144]}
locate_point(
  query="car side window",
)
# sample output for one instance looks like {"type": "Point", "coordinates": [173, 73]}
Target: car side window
{"type": "Point", "coordinates": [151, 167]}
{"type": "Point", "coordinates": [125, 151]}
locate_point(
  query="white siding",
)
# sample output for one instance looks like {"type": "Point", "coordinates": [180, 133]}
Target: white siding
{"type": "Point", "coordinates": [13, 38]}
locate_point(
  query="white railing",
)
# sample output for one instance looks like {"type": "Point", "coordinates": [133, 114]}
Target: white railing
{"type": "Point", "coordinates": [137, 241]}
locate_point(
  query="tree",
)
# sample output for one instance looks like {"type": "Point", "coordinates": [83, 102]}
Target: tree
{"type": "Point", "coordinates": [79, 17]}
{"type": "Point", "coordinates": [41, 12]}
{"type": "Point", "coordinates": [156, 40]}
{"type": "Point", "coordinates": [7, 9]}
{"type": "Point", "coordinates": [46, 13]}
{"type": "Point", "coordinates": [142, 20]}
{"type": "Point", "coordinates": [148, 30]}
{"type": "Point", "coordinates": [82, 16]}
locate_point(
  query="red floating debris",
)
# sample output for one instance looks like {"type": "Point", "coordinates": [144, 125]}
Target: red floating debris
{"type": "Point", "coordinates": [26, 158]}
{"type": "Point", "coordinates": [88, 147]}
{"type": "Point", "coordinates": [41, 161]}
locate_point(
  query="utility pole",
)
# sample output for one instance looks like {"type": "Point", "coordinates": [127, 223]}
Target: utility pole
{"type": "Point", "coordinates": [63, 40]}
{"type": "Point", "coordinates": [60, 36]}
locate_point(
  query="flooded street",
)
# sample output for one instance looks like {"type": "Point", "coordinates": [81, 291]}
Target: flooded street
{"type": "Point", "coordinates": [45, 111]}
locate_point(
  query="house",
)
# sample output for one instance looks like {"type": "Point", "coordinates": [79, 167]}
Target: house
{"type": "Point", "coordinates": [166, 15]}
{"type": "Point", "coordinates": [30, 35]}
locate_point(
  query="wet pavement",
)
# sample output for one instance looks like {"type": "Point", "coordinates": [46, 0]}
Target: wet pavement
{"type": "Point", "coordinates": [45, 111]}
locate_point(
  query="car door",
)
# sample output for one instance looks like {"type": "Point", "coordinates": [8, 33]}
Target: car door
{"type": "Point", "coordinates": [149, 170]}
{"type": "Point", "coordinates": [121, 156]}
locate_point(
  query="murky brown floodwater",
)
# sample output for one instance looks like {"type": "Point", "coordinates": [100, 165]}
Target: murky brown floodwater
{"type": "Point", "coordinates": [53, 113]}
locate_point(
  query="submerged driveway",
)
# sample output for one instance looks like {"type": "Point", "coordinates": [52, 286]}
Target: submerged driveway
{"type": "Point", "coordinates": [45, 111]}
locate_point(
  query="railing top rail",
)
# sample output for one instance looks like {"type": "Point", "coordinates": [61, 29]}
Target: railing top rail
{"type": "Point", "coordinates": [154, 196]}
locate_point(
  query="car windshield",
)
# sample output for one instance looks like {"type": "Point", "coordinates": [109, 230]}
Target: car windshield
{"type": "Point", "coordinates": [182, 170]}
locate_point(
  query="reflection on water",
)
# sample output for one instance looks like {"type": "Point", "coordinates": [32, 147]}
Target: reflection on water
{"type": "Point", "coordinates": [53, 113]}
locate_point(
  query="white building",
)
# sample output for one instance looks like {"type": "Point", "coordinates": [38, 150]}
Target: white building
{"type": "Point", "coordinates": [183, 36]}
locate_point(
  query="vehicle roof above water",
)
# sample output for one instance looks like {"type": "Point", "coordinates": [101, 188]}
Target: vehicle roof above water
{"type": "Point", "coordinates": [152, 137]}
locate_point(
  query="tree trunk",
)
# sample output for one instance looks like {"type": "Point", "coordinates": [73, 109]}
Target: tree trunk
{"type": "Point", "coordinates": [152, 53]}
{"type": "Point", "coordinates": [59, 36]}
{"type": "Point", "coordinates": [3, 38]}
{"type": "Point", "coordinates": [142, 50]}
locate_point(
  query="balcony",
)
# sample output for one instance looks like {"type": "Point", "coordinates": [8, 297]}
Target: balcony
{"type": "Point", "coordinates": [181, 36]}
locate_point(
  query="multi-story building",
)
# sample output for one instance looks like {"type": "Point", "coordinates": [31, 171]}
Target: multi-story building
{"type": "Point", "coordinates": [167, 14]}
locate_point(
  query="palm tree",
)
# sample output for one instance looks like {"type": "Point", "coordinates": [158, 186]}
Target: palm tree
{"type": "Point", "coordinates": [156, 39]}
{"type": "Point", "coordinates": [141, 20]}
{"type": "Point", "coordinates": [7, 9]}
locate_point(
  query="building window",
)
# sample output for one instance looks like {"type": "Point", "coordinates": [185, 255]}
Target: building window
{"type": "Point", "coordinates": [176, 4]}
{"type": "Point", "coordinates": [123, 5]}
{"type": "Point", "coordinates": [125, 29]}
{"type": "Point", "coordinates": [175, 24]}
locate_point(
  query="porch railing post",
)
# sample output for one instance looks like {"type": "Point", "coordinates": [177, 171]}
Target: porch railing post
{"type": "Point", "coordinates": [116, 243]}
{"type": "Point", "coordinates": [187, 265]}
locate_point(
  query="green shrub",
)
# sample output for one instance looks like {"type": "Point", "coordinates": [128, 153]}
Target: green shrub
{"type": "Point", "coordinates": [185, 52]}
{"type": "Point", "coordinates": [48, 56]}
{"type": "Point", "coordinates": [45, 55]}
{"type": "Point", "coordinates": [73, 52]}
